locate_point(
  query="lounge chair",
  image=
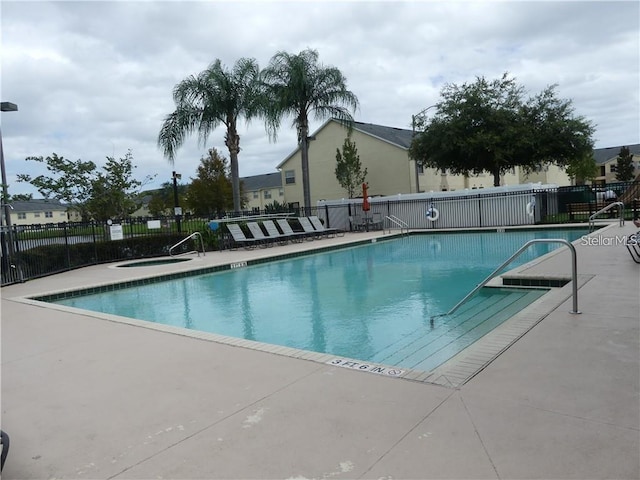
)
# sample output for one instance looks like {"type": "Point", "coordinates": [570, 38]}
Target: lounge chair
{"type": "Point", "coordinates": [4, 442]}
{"type": "Point", "coordinates": [319, 226]}
{"type": "Point", "coordinates": [259, 235]}
{"type": "Point", "coordinates": [632, 243]}
{"type": "Point", "coordinates": [306, 225]}
{"type": "Point", "coordinates": [274, 234]}
{"type": "Point", "coordinates": [240, 238]}
{"type": "Point", "coordinates": [287, 230]}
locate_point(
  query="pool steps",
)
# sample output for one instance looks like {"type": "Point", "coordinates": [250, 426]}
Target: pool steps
{"type": "Point", "coordinates": [449, 335]}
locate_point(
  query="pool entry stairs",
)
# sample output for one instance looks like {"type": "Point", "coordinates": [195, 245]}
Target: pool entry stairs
{"type": "Point", "coordinates": [443, 337]}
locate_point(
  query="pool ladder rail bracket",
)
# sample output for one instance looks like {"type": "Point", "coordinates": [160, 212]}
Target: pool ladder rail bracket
{"type": "Point", "coordinates": [592, 218]}
{"type": "Point", "coordinates": [402, 225]}
{"type": "Point", "coordinates": [193, 235]}
{"type": "Point", "coordinates": [574, 274]}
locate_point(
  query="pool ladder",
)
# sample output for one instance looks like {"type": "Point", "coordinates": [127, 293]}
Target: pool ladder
{"type": "Point", "coordinates": [574, 273]}
{"type": "Point", "coordinates": [193, 235]}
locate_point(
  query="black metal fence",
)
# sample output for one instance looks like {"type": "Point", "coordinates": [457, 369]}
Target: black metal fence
{"type": "Point", "coordinates": [37, 250]}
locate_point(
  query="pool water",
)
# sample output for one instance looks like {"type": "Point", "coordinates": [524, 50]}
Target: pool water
{"type": "Point", "coordinates": [371, 302]}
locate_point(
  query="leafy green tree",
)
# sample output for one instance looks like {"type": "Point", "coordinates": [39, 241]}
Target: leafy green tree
{"type": "Point", "coordinates": [275, 207]}
{"type": "Point", "coordinates": [114, 192]}
{"type": "Point", "coordinates": [211, 191]}
{"type": "Point", "coordinates": [583, 170]}
{"type": "Point", "coordinates": [349, 171]}
{"type": "Point", "coordinates": [488, 126]}
{"type": "Point", "coordinates": [94, 194]}
{"type": "Point", "coordinates": [215, 96]}
{"type": "Point", "coordinates": [21, 197]}
{"type": "Point", "coordinates": [70, 181]}
{"type": "Point", "coordinates": [624, 165]}
{"type": "Point", "coordinates": [163, 200]}
{"type": "Point", "coordinates": [298, 86]}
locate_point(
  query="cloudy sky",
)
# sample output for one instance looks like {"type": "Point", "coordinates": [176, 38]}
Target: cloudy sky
{"type": "Point", "coordinates": [94, 79]}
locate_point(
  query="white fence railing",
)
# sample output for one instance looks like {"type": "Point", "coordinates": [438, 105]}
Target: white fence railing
{"type": "Point", "coordinates": [491, 207]}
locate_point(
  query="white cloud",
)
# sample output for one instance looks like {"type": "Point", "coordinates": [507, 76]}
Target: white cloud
{"type": "Point", "coordinates": [94, 79]}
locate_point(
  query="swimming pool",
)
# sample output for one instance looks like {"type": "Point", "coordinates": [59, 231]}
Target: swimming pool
{"type": "Point", "coordinates": [370, 302]}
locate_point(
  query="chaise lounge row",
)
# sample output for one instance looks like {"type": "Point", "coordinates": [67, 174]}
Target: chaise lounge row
{"type": "Point", "coordinates": [312, 228]}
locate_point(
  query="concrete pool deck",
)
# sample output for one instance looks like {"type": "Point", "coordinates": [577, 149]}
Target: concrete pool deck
{"type": "Point", "coordinates": [83, 397]}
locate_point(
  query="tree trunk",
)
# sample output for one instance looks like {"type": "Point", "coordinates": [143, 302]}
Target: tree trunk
{"type": "Point", "coordinates": [303, 132]}
{"type": "Point", "coordinates": [233, 144]}
{"type": "Point", "coordinates": [496, 177]}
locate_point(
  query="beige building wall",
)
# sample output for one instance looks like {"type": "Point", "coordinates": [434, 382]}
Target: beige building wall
{"type": "Point", "coordinates": [259, 199]}
{"type": "Point", "coordinates": [389, 170]}
{"type": "Point", "coordinates": [550, 174]}
{"type": "Point", "coordinates": [38, 218]}
{"type": "Point", "coordinates": [438, 182]}
{"type": "Point", "coordinates": [607, 170]}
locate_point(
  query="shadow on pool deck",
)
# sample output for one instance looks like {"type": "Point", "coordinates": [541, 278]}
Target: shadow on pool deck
{"type": "Point", "coordinates": [87, 398]}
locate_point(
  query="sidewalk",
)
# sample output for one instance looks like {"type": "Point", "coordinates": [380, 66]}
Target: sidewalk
{"type": "Point", "coordinates": [87, 398]}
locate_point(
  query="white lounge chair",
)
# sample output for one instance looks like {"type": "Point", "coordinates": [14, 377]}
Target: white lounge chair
{"type": "Point", "coordinates": [240, 238]}
{"type": "Point", "coordinates": [633, 245]}
{"type": "Point", "coordinates": [258, 234]}
{"type": "Point", "coordinates": [305, 223]}
{"type": "Point", "coordinates": [274, 234]}
{"type": "Point", "coordinates": [319, 226]}
{"type": "Point", "coordinates": [287, 230]}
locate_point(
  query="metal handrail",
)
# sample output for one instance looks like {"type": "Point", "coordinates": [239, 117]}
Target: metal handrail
{"type": "Point", "coordinates": [401, 224]}
{"type": "Point", "coordinates": [194, 234]}
{"type": "Point", "coordinates": [574, 273]}
{"type": "Point", "coordinates": [606, 209]}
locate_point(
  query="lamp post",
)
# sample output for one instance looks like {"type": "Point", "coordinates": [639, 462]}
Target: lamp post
{"type": "Point", "coordinates": [176, 210]}
{"type": "Point", "coordinates": [8, 250]}
{"type": "Point", "coordinates": [413, 134]}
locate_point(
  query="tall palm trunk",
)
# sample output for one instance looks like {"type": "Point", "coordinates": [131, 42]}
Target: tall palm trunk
{"type": "Point", "coordinates": [232, 141]}
{"type": "Point", "coordinates": [303, 138]}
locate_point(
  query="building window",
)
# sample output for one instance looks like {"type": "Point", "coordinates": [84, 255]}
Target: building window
{"type": "Point", "coordinates": [602, 171]}
{"type": "Point", "coordinates": [281, 192]}
{"type": "Point", "coordinates": [420, 169]}
{"type": "Point", "coordinates": [48, 214]}
{"type": "Point", "coordinates": [289, 177]}
{"type": "Point", "coordinates": [256, 195]}
{"type": "Point", "coordinates": [267, 194]}
{"type": "Point", "coordinates": [613, 168]}
{"type": "Point", "coordinates": [22, 216]}
{"type": "Point", "coordinates": [37, 214]}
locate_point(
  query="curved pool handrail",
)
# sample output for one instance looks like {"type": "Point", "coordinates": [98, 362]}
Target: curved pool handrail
{"type": "Point", "coordinates": [592, 224]}
{"type": "Point", "coordinates": [194, 234]}
{"type": "Point", "coordinates": [574, 273]}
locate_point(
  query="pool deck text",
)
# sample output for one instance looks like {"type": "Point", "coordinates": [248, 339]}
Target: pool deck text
{"type": "Point", "coordinates": [366, 367]}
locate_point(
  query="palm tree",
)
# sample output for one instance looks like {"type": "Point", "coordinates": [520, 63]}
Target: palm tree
{"type": "Point", "coordinates": [297, 86]}
{"type": "Point", "coordinates": [215, 96]}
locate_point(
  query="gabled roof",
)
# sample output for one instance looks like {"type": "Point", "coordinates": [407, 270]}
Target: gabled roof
{"type": "Point", "coordinates": [399, 137]}
{"type": "Point", "coordinates": [38, 205]}
{"type": "Point", "coordinates": [603, 155]}
{"type": "Point", "coordinates": [260, 182]}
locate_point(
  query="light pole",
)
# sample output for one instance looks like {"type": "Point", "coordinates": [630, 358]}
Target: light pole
{"type": "Point", "coordinates": [413, 134]}
{"type": "Point", "coordinates": [8, 251]}
{"type": "Point", "coordinates": [176, 210]}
